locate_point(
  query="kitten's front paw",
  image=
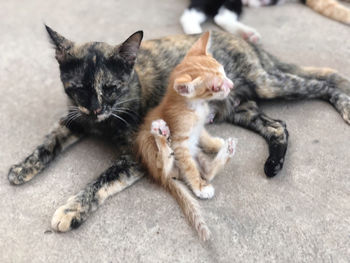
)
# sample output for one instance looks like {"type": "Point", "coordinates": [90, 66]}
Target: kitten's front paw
{"type": "Point", "coordinates": [159, 127]}
{"type": "Point", "coordinates": [206, 192]}
{"type": "Point", "coordinates": [67, 217]}
{"type": "Point", "coordinates": [19, 174]}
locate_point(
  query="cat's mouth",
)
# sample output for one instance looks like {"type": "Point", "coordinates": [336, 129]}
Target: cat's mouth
{"type": "Point", "coordinates": [97, 115]}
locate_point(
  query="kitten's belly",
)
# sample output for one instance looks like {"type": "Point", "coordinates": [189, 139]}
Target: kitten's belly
{"type": "Point", "coordinates": [202, 111]}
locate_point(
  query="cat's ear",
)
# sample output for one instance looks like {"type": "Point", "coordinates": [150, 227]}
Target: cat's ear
{"type": "Point", "coordinates": [63, 45]}
{"type": "Point", "coordinates": [185, 86]}
{"type": "Point", "coordinates": [128, 50]}
{"type": "Point", "coordinates": [201, 46]}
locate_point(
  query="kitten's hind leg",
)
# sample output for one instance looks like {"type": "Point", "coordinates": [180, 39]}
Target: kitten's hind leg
{"type": "Point", "coordinates": [210, 144]}
{"type": "Point", "coordinates": [211, 167]}
{"type": "Point", "coordinates": [79, 207]}
{"type": "Point", "coordinates": [191, 20]}
{"type": "Point", "coordinates": [248, 115]}
{"type": "Point", "coordinates": [228, 20]}
{"type": "Point", "coordinates": [165, 155]}
{"type": "Point", "coordinates": [55, 142]}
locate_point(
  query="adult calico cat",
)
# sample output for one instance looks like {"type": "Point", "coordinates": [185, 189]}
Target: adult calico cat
{"type": "Point", "coordinates": [110, 92]}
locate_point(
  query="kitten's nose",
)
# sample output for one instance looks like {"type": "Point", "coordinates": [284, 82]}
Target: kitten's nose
{"type": "Point", "coordinates": [97, 111]}
{"type": "Point", "coordinates": [228, 84]}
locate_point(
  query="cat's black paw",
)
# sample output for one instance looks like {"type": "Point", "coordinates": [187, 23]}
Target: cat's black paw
{"type": "Point", "coordinates": [273, 166]}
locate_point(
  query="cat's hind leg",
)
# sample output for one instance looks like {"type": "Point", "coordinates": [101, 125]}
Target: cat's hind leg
{"type": "Point", "coordinates": [55, 142]}
{"type": "Point", "coordinates": [80, 206]}
{"type": "Point", "coordinates": [191, 20]}
{"type": "Point", "coordinates": [293, 82]}
{"type": "Point", "coordinates": [228, 20]}
{"type": "Point", "coordinates": [248, 115]}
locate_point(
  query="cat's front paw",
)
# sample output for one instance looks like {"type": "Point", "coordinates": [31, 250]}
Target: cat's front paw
{"type": "Point", "coordinates": [251, 35]}
{"type": "Point", "coordinates": [160, 128]}
{"type": "Point", "coordinates": [67, 217]}
{"type": "Point", "coordinates": [345, 113]}
{"type": "Point", "coordinates": [205, 192]}
{"type": "Point", "coordinates": [19, 174]}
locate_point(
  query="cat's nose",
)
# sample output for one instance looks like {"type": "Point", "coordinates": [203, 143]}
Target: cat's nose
{"type": "Point", "coordinates": [97, 111]}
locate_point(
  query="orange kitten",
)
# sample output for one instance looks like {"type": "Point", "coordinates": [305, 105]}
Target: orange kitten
{"type": "Point", "coordinates": [183, 113]}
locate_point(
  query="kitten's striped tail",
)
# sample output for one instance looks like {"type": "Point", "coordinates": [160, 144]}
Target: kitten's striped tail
{"type": "Point", "coordinates": [189, 206]}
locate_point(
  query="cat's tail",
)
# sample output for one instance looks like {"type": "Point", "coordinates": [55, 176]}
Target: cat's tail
{"type": "Point", "coordinates": [189, 206]}
{"type": "Point", "coordinates": [332, 9]}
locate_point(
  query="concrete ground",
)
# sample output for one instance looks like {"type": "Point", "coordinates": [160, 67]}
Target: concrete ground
{"type": "Point", "coordinates": [302, 215]}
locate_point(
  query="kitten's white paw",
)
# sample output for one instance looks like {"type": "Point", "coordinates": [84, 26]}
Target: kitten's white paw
{"type": "Point", "coordinates": [67, 217]}
{"type": "Point", "coordinates": [207, 192]}
{"type": "Point", "coordinates": [159, 127]}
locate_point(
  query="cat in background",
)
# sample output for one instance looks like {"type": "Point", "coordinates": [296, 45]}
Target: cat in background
{"type": "Point", "coordinates": [329, 8]}
{"type": "Point", "coordinates": [183, 111]}
{"type": "Point", "coordinates": [225, 14]}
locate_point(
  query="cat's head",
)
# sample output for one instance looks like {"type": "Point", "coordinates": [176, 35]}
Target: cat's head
{"type": "Point", "coordinates": [199, 75]}
{"type": "Point", "coordinates": [95, 75]}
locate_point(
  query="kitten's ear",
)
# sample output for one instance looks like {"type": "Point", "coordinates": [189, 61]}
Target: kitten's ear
{"type": "Point", "coordinates": [62, 44]}
{"type": "Point", "coordinates": [128, 50]}
{"type": "Point", "coordinates": [201, 46]}
{"type": "Point", "coordinates": [185, 86]}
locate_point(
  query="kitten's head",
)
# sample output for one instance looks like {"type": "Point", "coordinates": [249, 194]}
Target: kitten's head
{"type": "Point", "coordinates": [95, 75]}
{"type": "Point", "coordinates": [199, 75]}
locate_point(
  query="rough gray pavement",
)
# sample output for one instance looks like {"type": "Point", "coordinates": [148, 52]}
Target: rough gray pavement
{"type": "Point", "coordinates": [302, 215]}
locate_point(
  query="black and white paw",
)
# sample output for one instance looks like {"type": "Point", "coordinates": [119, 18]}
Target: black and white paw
{"type": "Point", "coordinates": [68, 216]}
{"type": "Point", "coordinates": [160, 128]}
{"type": "Point", "coordinates": [191, 21]}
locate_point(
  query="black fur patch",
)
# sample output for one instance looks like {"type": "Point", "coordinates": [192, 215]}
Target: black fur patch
{"type": "Point", "coordinates": [211, 8]}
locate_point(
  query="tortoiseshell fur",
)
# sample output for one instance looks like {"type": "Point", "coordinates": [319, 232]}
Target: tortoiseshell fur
{"type": "Point", "coordinates": [256, 74]}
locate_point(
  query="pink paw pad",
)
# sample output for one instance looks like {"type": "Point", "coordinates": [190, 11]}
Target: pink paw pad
{"type": "Point", "coordinates": [231, 146]}
{"type": "Point", "coordinates": [160, 127]}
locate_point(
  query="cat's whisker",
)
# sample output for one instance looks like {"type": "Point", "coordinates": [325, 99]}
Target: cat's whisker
{"type": "Point", "coordinates": [120, 118]}
{"type": "Point", "coordinates": [130, 113]}
{"type": "Point", "coordinates": [121, 102]}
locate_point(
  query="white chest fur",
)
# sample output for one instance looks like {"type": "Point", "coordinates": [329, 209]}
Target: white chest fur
{"type": "Point", "coordinates": [201, 110]}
